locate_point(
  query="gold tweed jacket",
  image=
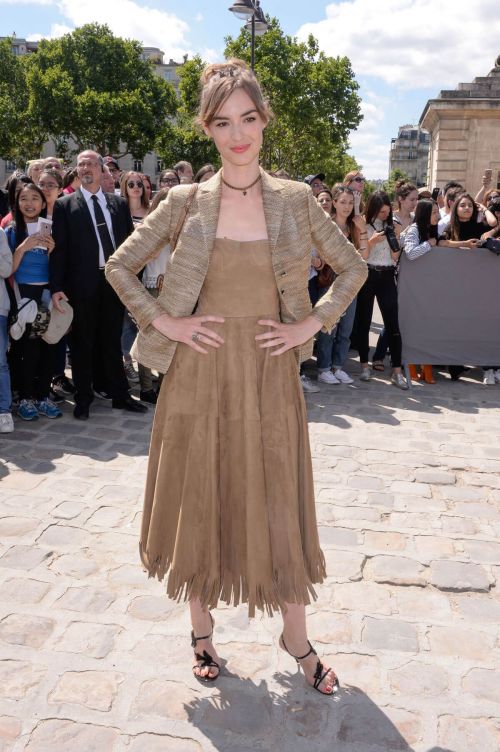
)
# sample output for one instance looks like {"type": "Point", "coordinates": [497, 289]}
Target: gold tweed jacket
{"type": "Point", "coordinates": [295, 224]}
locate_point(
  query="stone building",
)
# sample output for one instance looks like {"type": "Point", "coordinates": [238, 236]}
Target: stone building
{"type": "Point", "coordinates": [151, 164]}
{"type": "Point", "coordinates": [465, 132]}
{"type": "Point", "coordinates": [410, 153]}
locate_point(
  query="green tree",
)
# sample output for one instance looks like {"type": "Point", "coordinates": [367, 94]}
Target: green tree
{"type": "Point", "coordinates": [95, 88]}
{"type": "Point", "coordinates": [183, 138]}
{"type": "Point", "coordinates": [314, 99]}
{"type": "Point", "coordinates": [389, 185]}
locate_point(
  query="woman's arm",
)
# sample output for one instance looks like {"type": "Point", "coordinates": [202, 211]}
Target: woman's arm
{"type": "Point", "coordinates": [412, 246]}
{"type": "Point", "coordinates": [5, 256]}
{"type": "Point", "coordinates": [144, 244]}
{"type": "Point", "coordinates": [445, 243]}
{"type": "Point", "coordinates": [340, 254]}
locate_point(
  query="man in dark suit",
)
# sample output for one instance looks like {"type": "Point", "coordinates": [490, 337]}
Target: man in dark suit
{"type": "Point", "coordinates": [88, 225]}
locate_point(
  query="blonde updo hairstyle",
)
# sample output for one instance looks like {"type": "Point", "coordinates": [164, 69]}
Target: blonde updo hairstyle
{"type": "Point", "coordinates": [219, 80]}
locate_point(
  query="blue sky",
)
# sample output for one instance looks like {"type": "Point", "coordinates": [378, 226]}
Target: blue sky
{"type": "Point", "coordinates": [403, 52]}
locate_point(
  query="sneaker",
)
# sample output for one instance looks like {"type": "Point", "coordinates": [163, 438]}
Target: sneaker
{"type": "Point", "coordinates": [6, 423]}
{"type": "Point", "coordinates": [327, 377]}
{"type": "Point", "coordinates": [102, 394]}
{"type": "Point", "coordinates": [366, 374]}
{"type": "Point", "coordinates": [63, 384]}
{"type": "Point", "coordinates": [399, 380]}
{"type": "Point", "coordinates": [48, 408]}
{"type": "Point", "coordinates": [497, 375]}
{"type": "Point", "coordinates": [308, 385]}
{"type": "Point", "coordinates": [149, 396]}
{"type": "Point", "coordinates": [27, 410]}
{"type": "Point", "coordinates": [489, 377]}
{"type": "Point", "coordinates": [130, 372]}
{"type": "Point", "coordinates": [342, 376]}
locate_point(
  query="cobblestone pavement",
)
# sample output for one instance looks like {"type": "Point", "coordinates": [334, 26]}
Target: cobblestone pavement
{"type": "Point", "coordinates": [95, 658]}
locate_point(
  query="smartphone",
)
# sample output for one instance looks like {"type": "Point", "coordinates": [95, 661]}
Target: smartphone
{"type": "Point", "coordinates": [357, 202]}
{"type": "Point", "coordinates": [44, 226]}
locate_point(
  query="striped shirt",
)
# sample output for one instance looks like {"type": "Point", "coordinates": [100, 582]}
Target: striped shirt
{"type": "Point", "coordinates": [412, 246]}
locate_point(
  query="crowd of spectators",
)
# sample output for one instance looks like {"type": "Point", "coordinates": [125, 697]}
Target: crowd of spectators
{"type": "Point", "coordinates": [58, 227]}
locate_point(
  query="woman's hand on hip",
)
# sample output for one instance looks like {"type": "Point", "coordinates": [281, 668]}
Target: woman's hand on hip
{"type": "Point", "coordinates": [286, 336]}
{"type": "Point", "coordinates": [190, 330]}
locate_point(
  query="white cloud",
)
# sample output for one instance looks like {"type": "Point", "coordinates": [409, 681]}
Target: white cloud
{"type": "Point", "coordinates": [366, 144]}
{"type": "Point", "coordinates": [412, 43]}
{"type": "Point", "coordinates": [199, 17]}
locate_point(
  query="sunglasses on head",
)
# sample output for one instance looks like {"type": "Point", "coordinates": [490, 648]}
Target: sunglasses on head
{"type": "Point", "coordinates": [135, 183]}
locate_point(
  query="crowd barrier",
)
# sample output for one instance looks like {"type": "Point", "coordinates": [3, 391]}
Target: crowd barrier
{"type": "Point", "coordinates": [449, 307]}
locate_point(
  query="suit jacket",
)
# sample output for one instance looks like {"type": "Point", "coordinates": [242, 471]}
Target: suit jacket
{"type": "Point", "coordinates": [295, 224]}
{"type": "Point", "coordinates": [74, 262]}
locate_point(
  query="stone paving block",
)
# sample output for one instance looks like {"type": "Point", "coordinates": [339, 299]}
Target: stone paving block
{"type": "Point", "coordinates": [458, 576]}
{"type": "Point", "coordinates": [483, 511]}
{"type": "Point", "coordinates": [85, 599]}
{"type": "Point", "coordinates": [62, 536]}
{"type": "Point", "coordinates": [10, 730]}
{"type": "Point", "coordinates": [92, 689]}
{"type": "Point", "coordinates": [483, 684]}
{"type": "Point", "coordinates": [19, 678]}
{"type": "Point", "coordinates": [422, 604]}
{"type": "Point", "coordinates": [108, 517]}
{"type": "Point", "coordinates": [419, 679]}
{"type": "Point", "coordinates": [344, 565]}
{"type": "Point", "coordinates": [412, 489]}
{"type": "Point", "coordinates": [395, 570]}
{"type": "Point", "coordinates": [63, 735]}
{"type": "Point", "coordinates": [429, 547]}
{"type": "Point", "coordinates": [486, 480]}
{"type": "Point", "coordinates": [129, 575]}
{"type": "Point", "coordinates": [95, 640]}
{"type": "Point", "coordinates": [150, 607]}
{"type": "Point", "coordinates": [366, 482]}
{"type": "Point", "coordinates": [468, 734]}
{"type": "Point", "coordinates": [330, 629]}
{"type": "Point", "coordinates": [458, 525]}
{"type": "Point", "coordinates": [245, 663]}
{"type": "Point", "coordinates": [337, 536]}
{"type": "Point", "coordinates": [68, 510]}
{"type": "Point", "coordinates": [475, 607]}
{"type": "Point", "coordinates": [11, 527]}
{"type": "Point", "coordinates": [23, 590]}
{"type": "Point", "coordinates": [73, 566]}
{"type": "Point", "coordinates": [367, 597]}
{"type": "Point", "coordinates": [22, 481]}
{"type": "Point", "coordinates": [384, 500]}
{"type": "Point", "coordinates": [24, 557]}
{"type": "Point", "coordinates": [461, 493]}
{"type": "Point", "coordinates": [384, 541]}
{"type": "Point", "coordinates": [24, 629]}
{"type": "Point", "coordinates": [460, 642]}
{"type": "Point", "coordinates": [389, 634]}
{"type": "Point", "coordinates": [163, 743]}
{"type": "Point", "coordinates": [164, 699]}
{"type": "Point", "coordinates": [355, 669]}
{"type": "Point", "coordinates": [487, 552]}
{"type": "Point", "coordinates": [249, 714]}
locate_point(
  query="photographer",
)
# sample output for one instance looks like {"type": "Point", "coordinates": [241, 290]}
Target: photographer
{"type": "Point", "coordinates": [381, 254]}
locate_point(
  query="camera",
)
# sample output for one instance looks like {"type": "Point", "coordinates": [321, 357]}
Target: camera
{"type": "Point", "coordinates": [494, 206]}
{"type": "Point", "coordinates": [392, 239]}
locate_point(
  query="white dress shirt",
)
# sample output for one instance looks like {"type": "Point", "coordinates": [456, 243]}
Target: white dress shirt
{"type": "Point", "coordinates": [87, 195]}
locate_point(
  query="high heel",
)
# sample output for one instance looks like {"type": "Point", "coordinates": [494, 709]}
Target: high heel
{"type": "Point", "coordinates": [205, 658]}
{"type": "Point", "coordinates": [428, 375]}
{"type": "Point", "coordinates": [320, 674]}
{"type": "Point", "coordinates": [413, 371]}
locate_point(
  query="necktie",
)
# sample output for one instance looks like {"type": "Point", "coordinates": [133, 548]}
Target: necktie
{"type": "Point", "coordinates": [102, 228]}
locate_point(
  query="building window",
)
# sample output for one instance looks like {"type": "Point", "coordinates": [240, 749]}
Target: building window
{"type": "Point", "coordinates": [10, 166]}
{"type": "Point", "coordinates": [137, 165]}
{"type": "Point", "coordinates": [169, 75]}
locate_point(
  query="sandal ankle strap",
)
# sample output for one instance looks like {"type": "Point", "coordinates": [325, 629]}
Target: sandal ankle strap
{"type": "Point", "coordinates": [299, 657]}
{"type": "Point", "coordinates": [194, 639]}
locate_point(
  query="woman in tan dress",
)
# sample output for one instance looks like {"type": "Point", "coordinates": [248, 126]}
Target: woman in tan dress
{"type": "Point", "coordinates": [229, 504]}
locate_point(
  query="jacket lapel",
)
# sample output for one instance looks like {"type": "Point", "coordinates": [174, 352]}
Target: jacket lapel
{"type": "Point", "coordinates": [209, 194]}
{"type": "Point", "coordinates": [272, 199]}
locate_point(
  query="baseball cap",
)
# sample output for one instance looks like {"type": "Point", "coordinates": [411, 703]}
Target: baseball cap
{"type": "Point", "coordinates": [309, 178]}
{"type": "Point", "coordinates": [111, 160]}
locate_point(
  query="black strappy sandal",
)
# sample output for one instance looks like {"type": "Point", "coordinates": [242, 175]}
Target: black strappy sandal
{"type": "Point", "coordinates": [320, 674]}
{"type": "Point", "coordinates": [205, 658]}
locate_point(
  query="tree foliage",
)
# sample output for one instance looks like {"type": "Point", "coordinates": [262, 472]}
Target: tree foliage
{"type": "Point", "coordinates": [183, 138]}
{"type": "Point", "coordinates": [314, 99]}
{"type": "Point", "coordinates": [394, 177]}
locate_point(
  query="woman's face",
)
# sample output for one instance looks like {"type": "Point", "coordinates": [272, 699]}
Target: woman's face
{"type": "Point", "coordinates": [465, 209]}
{"type": "Point", "coordinates": [325, 202]}
{"type": "Point", "coordinates": [435, 215]}
{"type": "Point", "coordinates": [147, 187]}
{"type": "Point", "coordinates": [169, 179]}
{"type": "Point", "coordinates": [30, 203]}
{"type": "Point", "coordinates": [135, 185]}
{"type": "Point", "coordinates": [237, 130]}
{"type": "Point", "coordinates": [384, 212]}
{"type": "Point", "coordinates": [357, 183]}
{"type": "Point", "coordinates": [49, 187]}
{"type": "Point", "coordinates": [344, 204]}
{"type": "Point", "coordinates": [35, 171]}
{"type": "Point", "coordinates": [409, 203]}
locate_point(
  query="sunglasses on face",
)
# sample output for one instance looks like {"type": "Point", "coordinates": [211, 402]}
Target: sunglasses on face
{"type": "Point", "coordinates": [135, 183]}
{"type": "Point", "coordinates": [358, 180]}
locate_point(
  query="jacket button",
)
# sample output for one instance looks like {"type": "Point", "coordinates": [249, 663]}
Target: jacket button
{"type": "Point", "coordinates": [282, 292]}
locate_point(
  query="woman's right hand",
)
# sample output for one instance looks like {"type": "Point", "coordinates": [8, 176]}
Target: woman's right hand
{"type": "Point", "coordinates": [432, 242]}
{"type": "Point", "coordinates": [183, 328]}
{"type": "Point", "coordinates": [376, 238]}
{"type": "Point", "coordinates": [472, 243]}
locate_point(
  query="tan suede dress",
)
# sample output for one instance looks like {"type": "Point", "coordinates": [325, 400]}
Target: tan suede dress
{"type": "Point", "coordinates": [229, 504]}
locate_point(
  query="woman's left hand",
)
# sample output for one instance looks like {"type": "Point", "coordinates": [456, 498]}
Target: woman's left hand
{"type": "Point", "coordinates": [287, 336]}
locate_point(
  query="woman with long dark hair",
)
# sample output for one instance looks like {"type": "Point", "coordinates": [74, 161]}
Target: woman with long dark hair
{"type": "Point", "coordinates": [229, 507]}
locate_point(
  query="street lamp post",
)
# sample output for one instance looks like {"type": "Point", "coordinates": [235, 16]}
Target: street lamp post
{"type": "Point", "coordinates": [251, 12]}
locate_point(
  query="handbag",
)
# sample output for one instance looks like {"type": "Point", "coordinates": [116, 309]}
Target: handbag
{"type": "Point", "coordinates": [178, 228]}
{"type": "Point", "coordinates": [45, 321]}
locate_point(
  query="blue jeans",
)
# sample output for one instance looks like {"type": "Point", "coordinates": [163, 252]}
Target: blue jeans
{"type": "Point", "coordinates": [129, 333]}
{"type": "Point", "coordinates": [5, 392]}
{"type": "Point", "coordinates": [342, 336]}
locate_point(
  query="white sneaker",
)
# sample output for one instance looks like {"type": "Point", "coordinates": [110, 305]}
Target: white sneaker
{"type": "Point", "coordinates": [366, 374]}
{"type": "Point", "coordinates": [497, 375]}
{"type": "Point", "coordinates": [308, 385]}
{"type": "Point", "coordinates": [327, 377]}
{"type": "Point", "coordinates": [489, 377]}
{"type": "Point", "coordinates": [342, 376]}
{"type": "Point", "coordinates": [399, 380]}
{"type": "Point", "coordinates": [6, 423]}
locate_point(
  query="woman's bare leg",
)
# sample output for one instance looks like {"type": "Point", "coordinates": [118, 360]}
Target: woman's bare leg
{"type": "Point", "coordinates": [202, 625]}
{"type": "Point", "coordinates": [295, 637]}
